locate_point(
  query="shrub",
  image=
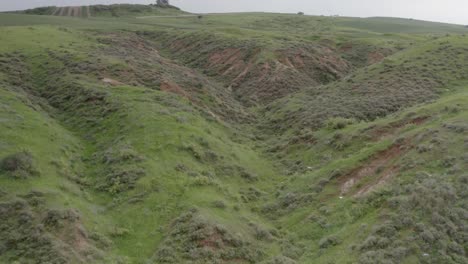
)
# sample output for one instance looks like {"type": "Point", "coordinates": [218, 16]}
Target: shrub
{"type": "Point", "coordinates": [19, 165]}
{"type": "Point", "coordinates": [121, 179]}
{"type": "Point", "coordinates": [219, 204]}
{"type": "Point", "coordinates": [338, 123]}
{"type": "Point", "coordinates": [262, 234]}
{"type": "Point", "coordinates": [119, 232]}
{"type": "Point", "coordinates": [329, 241]}
{"type": "Point", "coordinates": [195, 239]}
{"type": "Point", "coordinates": [28, 237]}
{"type": "Point", "coordinates": [248, 176]}
{"type": "Point", "coordinates": [122, 152]}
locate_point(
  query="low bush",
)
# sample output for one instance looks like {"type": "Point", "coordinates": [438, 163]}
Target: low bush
{"type": "Point", "coordinates": [19, 165]}
{"type": "Point", "coordinates": [219, 204]}
{"type": "Point", "coordinates": [338, 123]}
{"type": "Point", "coordinates": [429, 208]}
{"type": "Point", "coordinates": [121, 179]}
{"type": "Point", "coordinates": [329, 241]}
{"type": "Point", "coordinates": [30, 236]}
{"type": "Point", "coordinates": [194, 239]}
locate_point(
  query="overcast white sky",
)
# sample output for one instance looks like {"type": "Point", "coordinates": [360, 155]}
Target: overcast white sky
{"type": "Point", "coordinates": [453, 11]}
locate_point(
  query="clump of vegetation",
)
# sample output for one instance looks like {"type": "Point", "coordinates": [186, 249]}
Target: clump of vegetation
{"type": "Point", "coordinates": [329, 241]}
{"type": "Point", "coordinates": [122, 179]}
{"type": "Point", "coordinates": [19, 165]}
{"type": "Point", "coordinates": [30, 237]}
{"type": "Point", "coordinates": [338, 123]}
{"type": "Point", "coordinates": [440, 239]}
{"type": "Point", "coordinates": [193, 238]}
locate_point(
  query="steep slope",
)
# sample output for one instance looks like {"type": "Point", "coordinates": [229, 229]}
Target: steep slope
{"type": "Point", "coordinates": [389, 191]}
{"type": "Point", "coordinates": [410, 77]}
{"type": "Point", "coordinates": [255, 72]}
{"type": "Point", "coordinates": [151, 148]}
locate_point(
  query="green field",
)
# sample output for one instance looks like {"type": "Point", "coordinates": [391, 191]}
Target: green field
{"type": "Point", "coordinates": [142, 134]}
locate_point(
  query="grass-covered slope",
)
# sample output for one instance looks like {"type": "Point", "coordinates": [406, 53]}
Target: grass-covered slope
{"type": "Point", "coordinates": [416, 75]}
{"type": "Point", "coordinates": [240, 138]}
{"type": "Point", "coordinates": [142, 146]}
{"type": "Point", "coordinates": [381, 192]}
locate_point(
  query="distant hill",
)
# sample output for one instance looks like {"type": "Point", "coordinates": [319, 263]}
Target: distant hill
{"type": "Point", "coordinates": [401, 25]}
{"type": "Point", "coordinates": [116, 10]}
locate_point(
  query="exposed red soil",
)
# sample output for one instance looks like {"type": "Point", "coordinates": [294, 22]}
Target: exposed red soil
{"type": "Point", "coordinates": [167, 76]}
{"type": "Point", "coordinates": [214, 241]}
{"type": "Point", "coordinates": [258, 80]}
{"type": "Point", "coordinates": [387, 174]}
{"type": "Point", "coordinates": [226, 56]}
{"type": "Point", "coordinates": [111, 82]}
{"type": "Point", "coordinates": [346, 47]}
{"type": "Point", "coordinates": [298, 61]}
{"type": "Point", "coordinates": [379, 167]}
{"type": "Point", "coordinates": [172, 87]}
{"type": "Point", "coordinates": [375, 57]}
{"type": "Point", "coordinates": [74, 235]}
{"type": "Point", "coordinates": [392, 128]}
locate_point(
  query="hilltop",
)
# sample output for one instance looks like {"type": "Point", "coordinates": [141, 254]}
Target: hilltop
{"type": "Point", "coordinates": [155, 137]}
{"type": "Point", "coordinates": [116, 10]}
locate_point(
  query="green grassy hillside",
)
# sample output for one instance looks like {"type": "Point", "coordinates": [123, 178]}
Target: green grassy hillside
{"type": "Point", "coordinates": [234, 138]}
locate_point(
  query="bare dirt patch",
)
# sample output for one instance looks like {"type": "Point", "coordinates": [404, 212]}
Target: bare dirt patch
{"type": "Point", "coordinates": [257, 75]}
{"type": "Point", "coordinates": [379, 168]}
{"type": "Point", "coordinates": [375, 57]}
{"type": "Point", "coordinates": [227, 56]}
{"type": "Point", "coordinates": [171, 87]}
{"type": "Point", "coordinates": [346, 47]}
{"type": "Point", "coordinates": [213, 241]}
{"type": "Point", "coordinates": [386, 175]}
{"type": "Point", "coordinates": [111, 82]}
